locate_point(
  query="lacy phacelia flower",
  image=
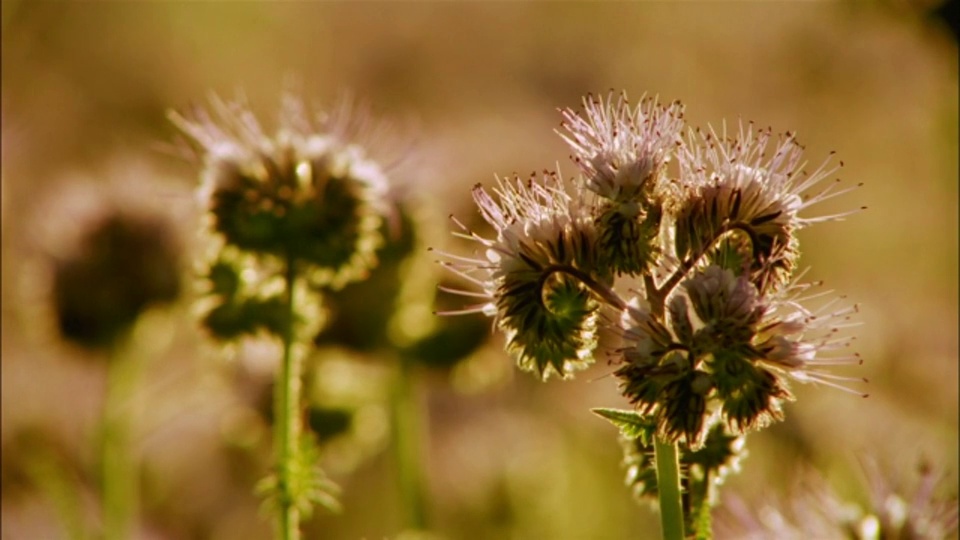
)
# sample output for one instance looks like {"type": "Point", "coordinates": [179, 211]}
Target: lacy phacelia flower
{"type": "Point", "coordinates": [535, 274]}
{"type": "Point", "coordinates": [622, 149]}
{"type": "Point", "coordinates": [305, 194]}
{"type": "Point", "coordinates": [108, 248]}
{"type": "Point", "coordinates": [727, 355]}
{"type": "Point", "coordinates": [743, 205]}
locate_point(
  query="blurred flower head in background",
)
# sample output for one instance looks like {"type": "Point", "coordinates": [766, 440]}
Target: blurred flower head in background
{"type": "Point", "coordinates": [107, 250]}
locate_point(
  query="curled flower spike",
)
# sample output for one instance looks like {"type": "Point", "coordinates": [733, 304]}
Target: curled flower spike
{"type": "Point", "coordinates": [305, 193]}
{"type": "Point", "coordinates": [728, 350]}
{"type": "Point", "coordinates": [537, 278]}
{"type": "Point", "coordinates": [622, 149]}
{"type": "Point", "coordinates": [744, 205]}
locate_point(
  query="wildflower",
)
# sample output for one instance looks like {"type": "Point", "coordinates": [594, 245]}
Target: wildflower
{"type": "Point", "coordinates": [125, 264]}
{"type": "Point", "coordinates": [750, 200]}
{"type": "Point", "coordinates": [536, 275]}
{"type": "Point", "coordinates": [727, 349]}
{"type": "Point", "coordinates": [306, 193]}
{"type": "Point", "coordinates": [621, 151]}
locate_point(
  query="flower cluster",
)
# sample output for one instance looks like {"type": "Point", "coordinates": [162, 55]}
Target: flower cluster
{"type": "Point", "coordinates": [108, 253]}
{"type": "Point", "coordinates": [722, 320]}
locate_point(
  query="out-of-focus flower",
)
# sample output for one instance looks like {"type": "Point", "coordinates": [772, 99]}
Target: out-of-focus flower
{"type": "Point", "coordinates": [305, 193]}
{"type": "Point", "coordinates": [814, 510]}
{"type": "Point", "coordinates": [308, 195]}
{"type": "Point", "coordinates": [107, 253]}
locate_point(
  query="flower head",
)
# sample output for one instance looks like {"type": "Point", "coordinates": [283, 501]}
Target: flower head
{"type": "Point", "coordinates": [306, 193]}
{"type": "Point", "coordinates": [815, 510]}
{"type": "Point", "coordinates": [750, 199]}
{"type": "Point", "coordinates": [727, 350]}
{"type": "Point", "coordinates": [619, 148]}
{"type": "Point", "coordinates": [531, 276]}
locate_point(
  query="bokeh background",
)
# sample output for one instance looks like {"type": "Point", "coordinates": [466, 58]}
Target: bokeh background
{"type": "Point", "coordinates": [85, 90]}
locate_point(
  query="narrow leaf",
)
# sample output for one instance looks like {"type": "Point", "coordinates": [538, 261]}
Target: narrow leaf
{"type": "Point", "coordinates": [631, 424]}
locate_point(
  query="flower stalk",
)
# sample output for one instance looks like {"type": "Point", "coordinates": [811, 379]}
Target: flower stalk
{"type": "Point", "coordinates": [668, 483]}
{"type": "Point", "coordinates": [287, 412]}
{"type": "Point", "coordinates": [120, 474]}
{"type": "Point", "coordinates": [289, 215]}
{"type": "Point", "coordinates": [406, 446]}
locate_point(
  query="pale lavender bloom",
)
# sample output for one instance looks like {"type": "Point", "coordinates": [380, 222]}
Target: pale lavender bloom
{"type": "Point", "coordinates": [621, 149]}
{"type": "Point", "coordinates": [769, 173]}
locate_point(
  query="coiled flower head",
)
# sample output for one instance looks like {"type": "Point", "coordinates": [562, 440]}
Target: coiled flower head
{"type": "Point", "coordinates": [725, 351]}
{"type": "Point", "coordinates": [106, 253]}
{"type": "Point", "coordinates": [813, 509]}
{"type": "Point", "coordinates": [749, 200]}
{"type": "Point", "coordinates": [533, 273]}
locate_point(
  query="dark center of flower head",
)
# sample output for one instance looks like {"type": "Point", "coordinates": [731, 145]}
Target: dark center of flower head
{"type": "Point", "coordinates": [302, 210]}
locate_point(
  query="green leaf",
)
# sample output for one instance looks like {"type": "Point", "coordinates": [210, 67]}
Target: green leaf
{"type": "Point", "coordinates": [631, 424]}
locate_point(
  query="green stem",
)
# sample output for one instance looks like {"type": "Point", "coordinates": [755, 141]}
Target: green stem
{"type": "Point", "coordinates": [668, 488]}
{"type": "Point", "coordinates": [658, 295]}
{"type": "Point", "coordinates": [406, 440]}
{"type": "Point", "coordinates": [56, 480]}
{"type": "Point", "coordinates": [698, 509]}
{"type": "Point", "coordinates": [118, 466]}
{"type": "Point", "coordinates": [287, 414]}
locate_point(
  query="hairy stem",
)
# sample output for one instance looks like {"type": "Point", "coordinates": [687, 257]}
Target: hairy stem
{"type": "Point", "coordinates": [668, 488]}
{"type": "Point", "coordinates": [406, 445]}
{"type": "Point", "coordinates": [287, 414]}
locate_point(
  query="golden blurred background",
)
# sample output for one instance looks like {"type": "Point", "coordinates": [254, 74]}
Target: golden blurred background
{"type": "Point", "coordinates": [85, 90]}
